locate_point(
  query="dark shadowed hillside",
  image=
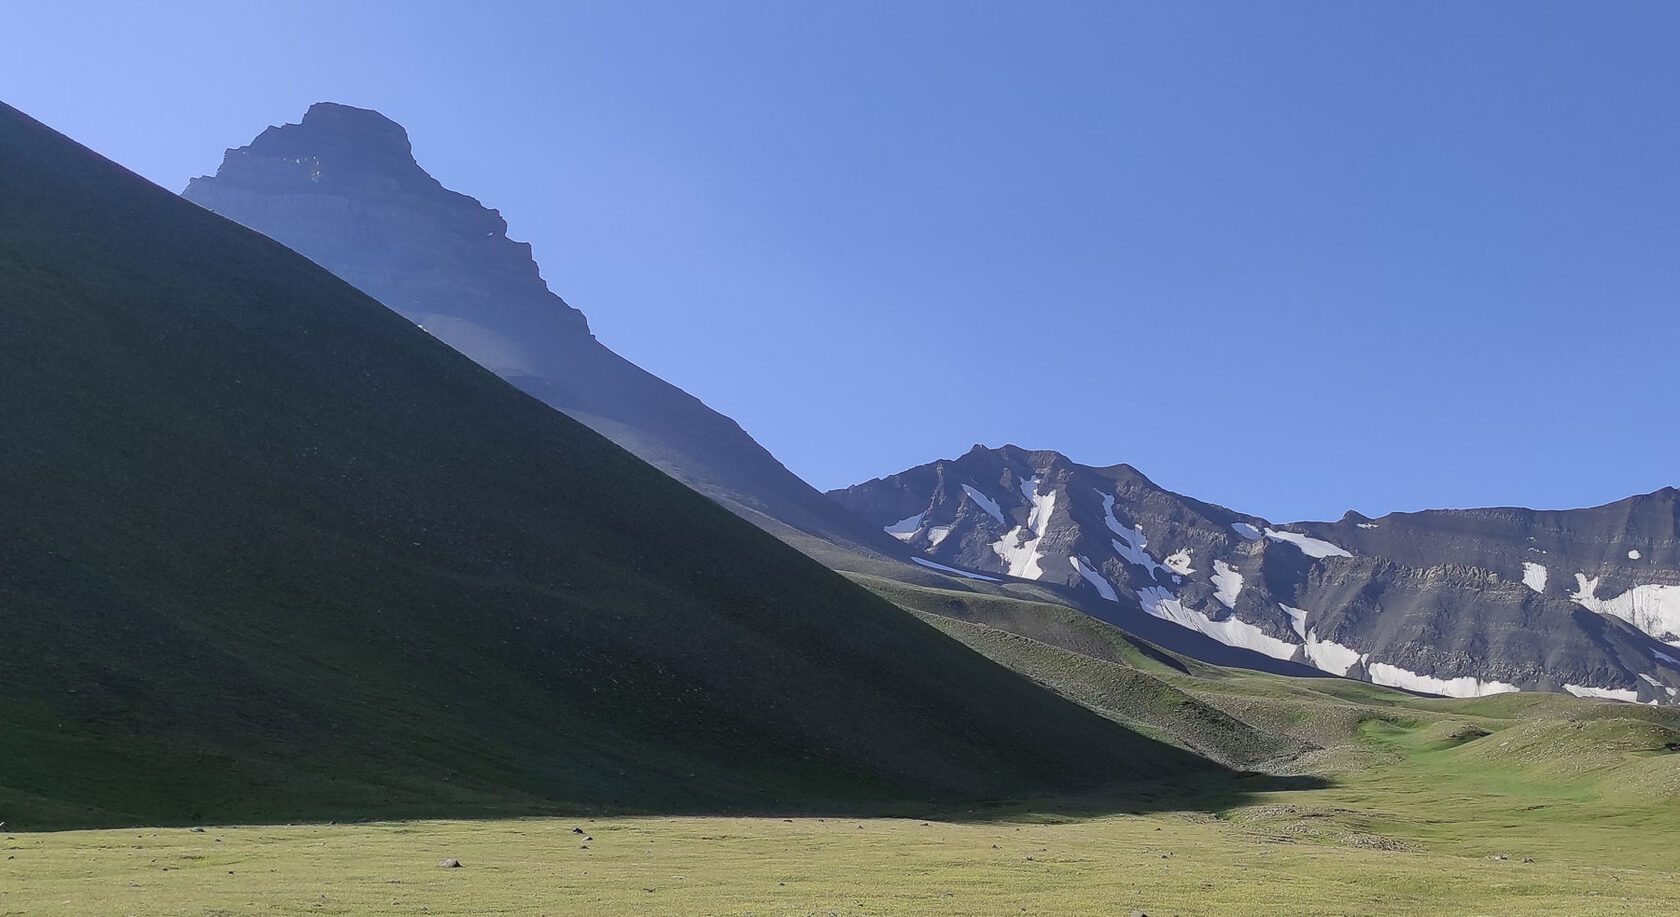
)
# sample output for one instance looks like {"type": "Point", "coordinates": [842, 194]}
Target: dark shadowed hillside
{"type": "Point", "coordinates": [269, 551]}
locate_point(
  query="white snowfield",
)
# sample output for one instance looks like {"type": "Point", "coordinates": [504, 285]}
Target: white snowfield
{"type": "Point", "coordinates": [1534, 576]}
{"type": "Point", "coordinates": [1018, 551]}
{"type": "Point", "coordinates": [1395, 677]}
{"type": "Point", "coordinates": [1130, 544]}
{"type": "Point", "coordinates": [1085, 568]}
{"type": "Point", "coordinates": [1227, 582]}
{"type": "Point", "coordinates": [1368, 525]}
{"type": "Point", "coordinates": [1297, 619]}
{"type": "Point", "coordinates": [1330, 656]}
{"type": "Point", "coordinates": [906, 528]}
{"type": "Point", "coordinates": [1231, 631]}
{"type": "Point", "coordinates": [1180, 563]}
{"type": "Point", "coordinates": [1654, 609]}
{"type": "Point", "coordinates": [1634, 554]}
{"type": "Point", "coordinates": [1246, 530]}
{"type": "Point", "coordinates": [1627, 694]}
{"type": "Point", "coordinates": [944, 569]}
{"type": "Point", "coordinates": [936, 534]}
{"type": "Point", "coordinates": [1312, 547]}
{"type": "Point", "coordinates": [984, 502]}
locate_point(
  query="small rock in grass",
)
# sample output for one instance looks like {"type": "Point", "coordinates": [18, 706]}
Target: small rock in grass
{"type": "Point", "coordinates": [198, 830]}
{"type": "Point", "coordinates": [577, 830]}
{"type": "Point", "coordinates": [450, 863]}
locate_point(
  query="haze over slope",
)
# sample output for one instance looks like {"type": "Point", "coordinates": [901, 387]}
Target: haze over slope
{"type": "Point", "coordinates": [268, 551]}
{"type": "Point", "coordinates": [342, 187]}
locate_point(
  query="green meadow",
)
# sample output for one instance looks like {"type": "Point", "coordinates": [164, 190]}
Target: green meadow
{"type": "Point", "coordinates": [1512, 805]}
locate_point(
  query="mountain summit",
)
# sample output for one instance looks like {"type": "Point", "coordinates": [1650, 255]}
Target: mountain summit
{"type": "Point", "coordinates": [342, 188]}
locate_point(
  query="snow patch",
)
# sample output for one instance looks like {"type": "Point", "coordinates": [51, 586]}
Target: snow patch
{"type": "Point", "coordinates": [1627, 694]}
{"type": "Point", "coordinates": [1464, 686]}
{"type": "Point", "coordinates": [1131, 543]}
{"type": "Point", "coordinates": [1085, 568]}
{"type": "Point", "coordinates": [1231, 632]}
{"type": "Point", "coordinates": [944, 569]}
{"type": "Point", "coordinates": [984, 502]}
{"type": "Point", "coordinates": [1633, 555]}
{"type": "Point", "coordinates": [1310, 546]}
{"type": "Point", "coordinates": [1246, 530]}
{"type": "Point", "coordinates": [906, 528]}
{"type": "Point", "coordinates": [1227, 582]}
{"type": "Point", "coordinates": [1534, 576]}
{"type": "Point", "coordinates": [1179, 563]}
{"type": "Point", "coordinates": [1650, 681]}
{"type": "Point", "coordinates": [1329, 656]}
{"type": "Point", "coordinates": [1368, 525]}
{"type": "Point", "coordinates": [1654, 609]}
{"type": "Point", "coordinates": [1297, 619]}
{"type": "Point", "coordinates": [1665, 657]}
{"type": "Point", "coordinates": [936, 534]}
{"type": "Point", "coordinates": [1017, 550]}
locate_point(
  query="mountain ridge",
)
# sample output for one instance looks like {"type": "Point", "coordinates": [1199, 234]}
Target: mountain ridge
{"type": "Point", "coordinates": [1443, 601]}
{"type": "Point", "coordinates": [440, 258]}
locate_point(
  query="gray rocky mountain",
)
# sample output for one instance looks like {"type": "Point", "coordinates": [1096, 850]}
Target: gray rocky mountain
{"type": "Point", "coordinates": [1454, 602]}
{"type": "Point", "coordinates": [342, 187]}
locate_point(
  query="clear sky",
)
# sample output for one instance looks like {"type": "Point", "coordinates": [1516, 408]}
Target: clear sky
{"type": "Point", "coordinates": [1290, 257]}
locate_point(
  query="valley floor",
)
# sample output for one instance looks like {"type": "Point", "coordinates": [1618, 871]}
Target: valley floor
{"type": "Point", "coordinates": [1407, 843]}
{"type": "Point", "coordinates": [1508, 805]}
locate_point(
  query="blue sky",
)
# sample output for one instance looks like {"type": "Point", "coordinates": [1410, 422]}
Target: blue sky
{"type": "Point", "coordinates": [1290, 257]}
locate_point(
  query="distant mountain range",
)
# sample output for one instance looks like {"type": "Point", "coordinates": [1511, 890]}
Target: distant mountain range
{"type": "Point", "coordinates": [1460, 602]}
{"type": "Point", "coordinates": [342, 188]}
{"type": "Point", "coordinates": [270, 552]}
{"type": "Point", "coordinates": [1455, 602]}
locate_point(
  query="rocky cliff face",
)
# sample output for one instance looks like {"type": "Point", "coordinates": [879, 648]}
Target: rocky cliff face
{"type": "Point", "coordinates": [1457, 602]}
{"type": "Point", "coordinates": [342, 188]}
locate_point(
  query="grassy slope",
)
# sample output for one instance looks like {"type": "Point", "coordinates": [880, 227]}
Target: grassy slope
{"type": "Point", "coordinates": [1246, 719]}
{"type": "Point", "coordinates": [269, 552]}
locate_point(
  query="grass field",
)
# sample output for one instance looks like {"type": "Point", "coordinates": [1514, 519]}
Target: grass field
{"type": "Point", "coordinates": [1504, 806]}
